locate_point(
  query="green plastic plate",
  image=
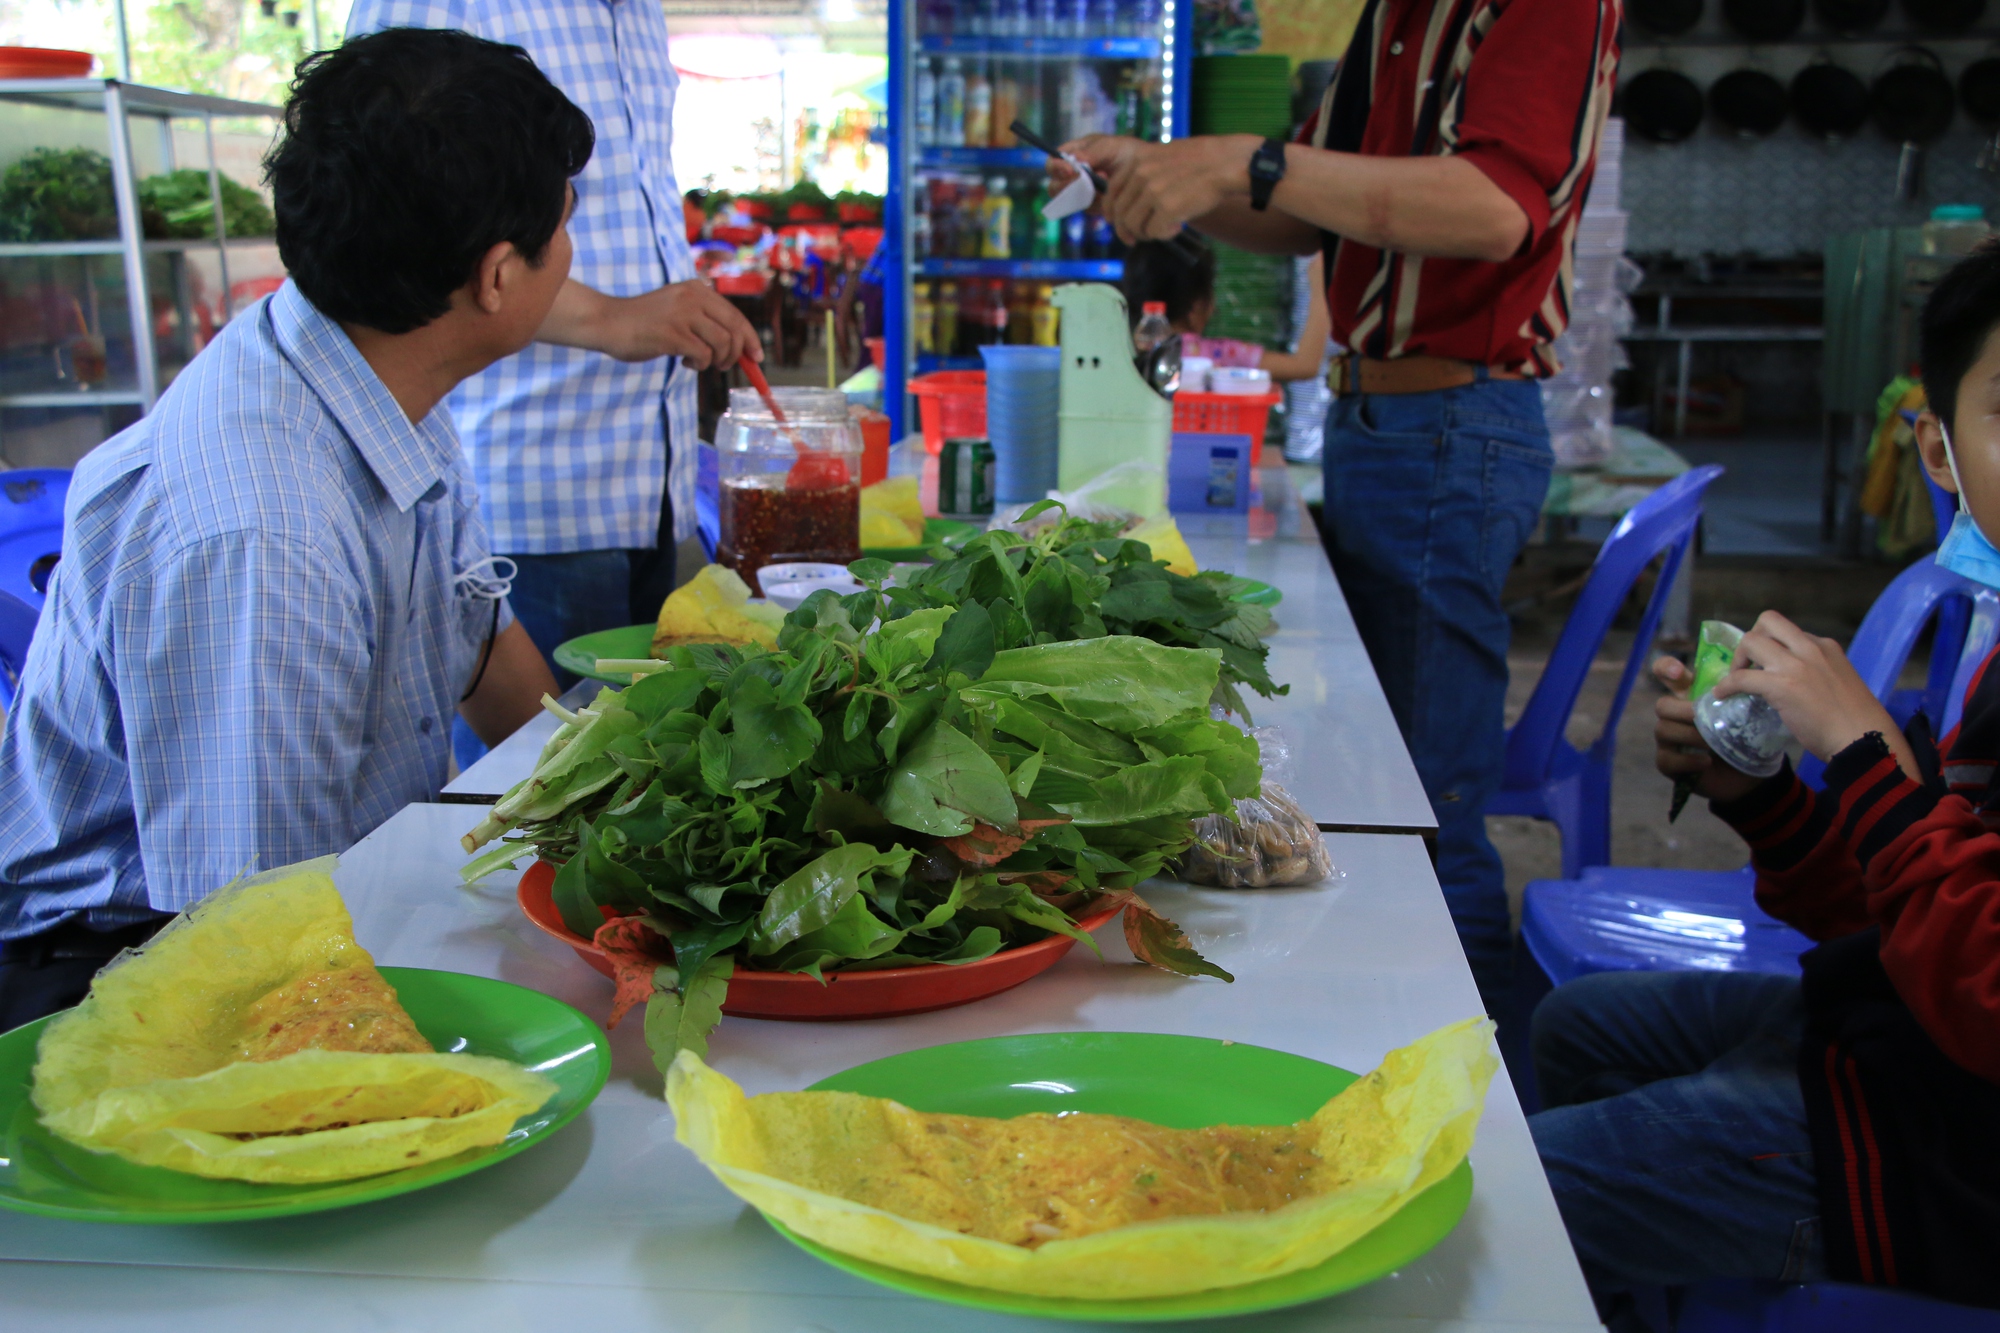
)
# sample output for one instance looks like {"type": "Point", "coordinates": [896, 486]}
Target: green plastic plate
{"type": "Point", "coordinates": [581, 653]}
{"type": "Point", "coordinates": [951, 531]}
{"type": "Point", "coordinates": [40, 1173]}
{"type": "Point", "coordinates": [1185, 1082]}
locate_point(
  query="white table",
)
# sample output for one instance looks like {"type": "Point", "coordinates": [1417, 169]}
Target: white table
{"type": "Point", "coordinates": [612, 1225]}
{"type": "Point", "coordinates": [1350, 770]}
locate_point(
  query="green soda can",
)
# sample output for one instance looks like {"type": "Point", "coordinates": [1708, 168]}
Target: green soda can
{"type": "Point", "coordinates": [965, 479]}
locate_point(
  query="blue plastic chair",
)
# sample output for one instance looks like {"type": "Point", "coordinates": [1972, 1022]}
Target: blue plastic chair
{"type": "Point", "coordinates": [708, 500]}
{"type": "Point", "coordinates": [31, 519]}
{"type": "Point", "coordinates": [1609, 919]}
{"type": "Point", "coordinates": [17, 628]}
{"type": "Point", "coordinates": [1545, 775]}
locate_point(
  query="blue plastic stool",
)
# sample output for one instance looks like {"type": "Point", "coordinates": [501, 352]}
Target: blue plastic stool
{"type": "Point", "coordinates": [1546, 776]}
{"type": "Point", "coordinates": [31, 519]}
{"type": "Point", "coordinates": [17, 628]}
{"type": "Point", "coordinates": [1738, 1306]}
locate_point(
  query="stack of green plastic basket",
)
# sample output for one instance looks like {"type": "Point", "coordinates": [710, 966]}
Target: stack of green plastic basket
{"type": "Point", "coordinates": [1253, 295]}
{"type": "Point", "coordinates": [1243, 94]}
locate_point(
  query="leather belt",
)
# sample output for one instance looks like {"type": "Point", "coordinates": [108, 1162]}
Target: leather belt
{"type": "Point", "coordinates": [1406, 374]}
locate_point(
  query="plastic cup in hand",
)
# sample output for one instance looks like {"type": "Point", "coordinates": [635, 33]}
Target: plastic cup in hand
{"type": "Point", "coordinates": [1745, 732]}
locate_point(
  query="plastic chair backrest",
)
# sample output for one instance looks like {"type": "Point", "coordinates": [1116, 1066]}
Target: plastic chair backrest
{"type": "Point", "coordinates": [1663, 522]}
{"type": "Point", "coordinates": [17, 629]}
{"type": "Point", "coordinates": [31, 519]}
{"type": "Point", "coordinates": [1981, 634]}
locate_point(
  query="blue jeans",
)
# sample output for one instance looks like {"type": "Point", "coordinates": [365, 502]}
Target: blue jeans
{"type": "Point", "coordinates": [1675, 1138]}
{"type": "Point", "coordinates": [1429, 499]}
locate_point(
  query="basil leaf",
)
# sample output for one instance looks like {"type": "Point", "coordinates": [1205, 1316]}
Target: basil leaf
{"type": "Point", "coordinates": [810, 898]}
{"type": "Point", "coordinates": [966, 643]}
{"type": "Point", "coordinates": [680, 1017]}
{"type": "Point", "coordinates": [944, 783]}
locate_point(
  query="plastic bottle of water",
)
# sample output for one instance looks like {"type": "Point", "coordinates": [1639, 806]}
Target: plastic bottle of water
{"type": "Point", "coordinates": [1153, 328]}
{"type": "Point", "coordinates": [926, 113]}
{"type": "Point", "coordinates": [951, 105]}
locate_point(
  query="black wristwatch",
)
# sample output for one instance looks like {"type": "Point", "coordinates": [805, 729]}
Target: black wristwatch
{"type": "Point", "coordinates": [1267, 168]}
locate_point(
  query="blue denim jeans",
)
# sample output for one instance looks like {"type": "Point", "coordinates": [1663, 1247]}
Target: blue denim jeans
{"type": "Point", "coordinates": [1429, 499]}
{"type": "Point", "coordinates": [1675, 1138]}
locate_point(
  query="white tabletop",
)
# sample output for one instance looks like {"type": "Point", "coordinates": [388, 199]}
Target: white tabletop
{"type": "Point", "coordinates": [1350, 769]}
{"type": "Point", "coordinates": [611, 1224]}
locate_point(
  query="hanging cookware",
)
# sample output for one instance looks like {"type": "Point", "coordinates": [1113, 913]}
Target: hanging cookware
{"type": "Point", "coordinates": [1979, 92]}
{"type": "Point", "coordinates": [1668, 18]}
{"type": "Point", "coordinates": [1663, 105]}
{"type": "Point", "coordinates": [1849, 17]}
{"type": "Point", "coordinates": [1748, 101]}
{"type": "Point", "coordinates": [1912, 102]}
{"type": "Point", "coordinates": [1944, 16]}
{"type": "Point", "coordinates": [1829, 101]}
{"type": "Point", "coordinates": [1764, 20]}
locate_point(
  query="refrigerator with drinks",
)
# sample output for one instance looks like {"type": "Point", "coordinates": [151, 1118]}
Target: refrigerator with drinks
{"type": "Point", "coordinates": [971, 258]}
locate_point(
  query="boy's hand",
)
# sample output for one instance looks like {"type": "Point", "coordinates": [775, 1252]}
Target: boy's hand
{"type": "Point", "coordinates": [1815, 689]}
{"type": "Point", "coordinates": [1682, 753]}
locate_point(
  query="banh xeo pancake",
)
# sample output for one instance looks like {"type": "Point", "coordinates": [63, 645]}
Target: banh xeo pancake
{"type": "Point", "coordinates": [1092, 1206]}
{"type": "Point", "coordinates": [253, 1039]}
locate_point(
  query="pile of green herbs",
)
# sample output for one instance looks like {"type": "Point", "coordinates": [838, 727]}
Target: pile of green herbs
{"type": "Point", "coordinates": [1078, 579]}
{"type": "Point", "coordinates": [890, 786]}
{"type": "Point", "coordinates": [58, 194]}
{"type": "Point", "coordinates": [178, 204]}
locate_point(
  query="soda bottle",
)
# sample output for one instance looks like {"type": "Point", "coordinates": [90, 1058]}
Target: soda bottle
{"type": "Point", "coordinates": [996, 311]}
{"type": "Point", "coordinates": [944, 320]}
{"type": "Point", "coordinates": [1127, 115]}
{"type": "Point", "coordinates": [1104, 20]}
{"type": "Point", "coordinates": [971, 219]}
{"type": "Point", "coordinates": [923, 319]}
{"type": "Point", "coordinates": [951, 105]}
{"type": "Point", "coordinates": [1103, 243]}
{"type": "Point", "coordinates": [926, 112]}
{"type": "Point", "coordinates": [1045, 316]}
{"type": "Point", "coordinates": [1006, 104]}
{"type": "Point", "coordinates": [1045, 16]}
{"type": "Point", "coordinates": [996, 215]}
{"type": "Point", "coordinates": [1020, 314]}
{"type": "Point", "coordinates": [1075, 236]}
{"type": "Point", "coordinates": [1152, 329]}
{"type": "Point", "coordinates": [1047, 238]}
{"type": "Point", "coordinates": [1076, 19]}
{"type": "Point", "coordinates": [978, 107]}
{"type": "Point", "coordinates": [1010, 18]}
{"type": "Point", "coordinates": [1021, 244]}
{"type": "Point", "coordinates": [920, 234]}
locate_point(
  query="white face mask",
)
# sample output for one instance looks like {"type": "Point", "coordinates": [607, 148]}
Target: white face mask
{"type": "Point", "coordinates": [1965, 551]}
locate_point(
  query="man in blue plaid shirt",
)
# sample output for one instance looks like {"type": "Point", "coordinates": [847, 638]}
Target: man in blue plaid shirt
{"type": "Point", "coordinates": [571, 447]}
{"type": "Point", "coordinates": [275, 590]}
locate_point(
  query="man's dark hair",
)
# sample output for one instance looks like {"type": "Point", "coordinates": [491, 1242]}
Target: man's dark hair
{"type": "Point", "coordinates": [407, 154]}
{"type": "Point", "coordinates": [1962, 310]}
{"type": "Point", "coordinates": [1155, 272]}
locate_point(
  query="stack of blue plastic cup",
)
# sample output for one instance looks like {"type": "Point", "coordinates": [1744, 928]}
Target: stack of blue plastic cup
{"type": "Point", "coordinates": [1022, 386]}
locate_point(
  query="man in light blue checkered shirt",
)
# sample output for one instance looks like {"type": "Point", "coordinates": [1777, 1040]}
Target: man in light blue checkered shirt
{"type": "Point", "coordinates": [571, 448]}
{"type": "Point", "coordinates": [275, 589]}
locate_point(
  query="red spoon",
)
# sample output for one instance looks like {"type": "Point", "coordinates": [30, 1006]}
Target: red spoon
{"type": "Point", "coordinates": [814, 471]}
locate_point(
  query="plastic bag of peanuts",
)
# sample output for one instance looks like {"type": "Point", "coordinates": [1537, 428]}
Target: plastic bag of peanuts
{"type": "Point", "coordinates": [1270, 843]}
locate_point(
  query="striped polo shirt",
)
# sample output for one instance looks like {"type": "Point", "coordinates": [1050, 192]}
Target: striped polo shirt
{"type": "Point", "coordinates": [1520, 88]}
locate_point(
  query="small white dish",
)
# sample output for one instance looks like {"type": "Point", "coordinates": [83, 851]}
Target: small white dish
{"type": "Point", "coordinates": [788, 585]}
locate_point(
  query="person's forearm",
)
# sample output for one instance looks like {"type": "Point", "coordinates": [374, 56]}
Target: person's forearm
{"type": "Point", "coordinates": [1267, 233]}
{"type": "Point", "coordinates": [579, 318]}
{"type": "Point", "coordinates": [510, 692]}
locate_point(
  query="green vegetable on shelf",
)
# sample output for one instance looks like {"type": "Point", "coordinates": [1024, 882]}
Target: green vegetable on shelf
{"type": "Point", "coordinates": [178, 205]}
{"type": "Point", "coordinates": [58, 194]}
{"type": "Point", "coordinates": [890, 787]}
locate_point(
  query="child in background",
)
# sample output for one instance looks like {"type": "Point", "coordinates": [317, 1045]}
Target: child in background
{"type": "Point", "coordinates": [1153, 272]}
{"type": "Point", "coordinates": [1841, 1124]}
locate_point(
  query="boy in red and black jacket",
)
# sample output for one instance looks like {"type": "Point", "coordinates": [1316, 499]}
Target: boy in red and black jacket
{"type": "Point", "coordinates": [1844, 1124]}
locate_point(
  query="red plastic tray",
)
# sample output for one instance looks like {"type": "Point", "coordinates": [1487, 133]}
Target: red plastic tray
{"type": "Point", "coordinates": [793, 995]}
{"type": "Point", "coordinates": [1226, 414]}
{"type": "Point", "coordinates": [952, 404]}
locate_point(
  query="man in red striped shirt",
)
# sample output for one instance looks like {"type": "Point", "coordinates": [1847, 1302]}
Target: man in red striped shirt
{"type": "Point", "coordinates": [1443, 177]}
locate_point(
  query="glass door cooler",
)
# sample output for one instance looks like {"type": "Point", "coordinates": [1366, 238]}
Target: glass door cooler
{"type": "Point", "coordinates": [971, 259]}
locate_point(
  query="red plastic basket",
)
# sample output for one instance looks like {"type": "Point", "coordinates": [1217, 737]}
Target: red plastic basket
{"type": "Point", "coordinates": [953, 406]}
{"type": "Point", "coordinates": [1226, 414]}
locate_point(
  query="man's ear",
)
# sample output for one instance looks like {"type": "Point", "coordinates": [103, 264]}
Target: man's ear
{"type": "Point", "coordinates": [1930, 448]}
{"type": "Point", "coordinates": [489, 282]}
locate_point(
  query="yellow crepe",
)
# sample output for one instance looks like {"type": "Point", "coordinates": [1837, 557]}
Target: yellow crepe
{"type": "Point", "coordinates": [1164, 535]}
{"type": "Point", "coordinates": [253, 1039]}
{"type": "Point", "coordinates": [714, 607]}
{"type": "Point", "coordinates": [1095, 1207]}
{"type": "Point", "coordinates": [891, 514]}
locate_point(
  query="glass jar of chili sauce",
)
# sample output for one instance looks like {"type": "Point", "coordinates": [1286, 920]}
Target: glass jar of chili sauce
{"type": "Point", "coordinates": [791, 490]}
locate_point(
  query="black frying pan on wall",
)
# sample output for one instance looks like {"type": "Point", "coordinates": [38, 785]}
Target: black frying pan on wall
{"type": "Point", "coordinates": [1663, 105]}
{"type": "Point", "coordinates": [1849, 17]}
{"type": "Point", "coordinates": [1912, 103]}
{"type": "Point", "coordinates": [1944, 16]}
{"type": "Point", "coordinates": [1765, 20]}
{"type": "Point", "coordinates": [1829, 101]}
{"type": "Point", "coordinates": [1748, 101]}
{"type": "Point", "coordinates": [1979, 94]}
{"type": "Point", "coordinates": [1667, 18]}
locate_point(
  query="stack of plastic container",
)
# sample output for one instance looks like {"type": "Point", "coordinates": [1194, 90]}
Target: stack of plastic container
{"type": "Point", "coordinates": [1022, 393]}
{"type": "Point", "coordinates": [1307, 401]}
{"type": "Point", "coordinates": [1578, 401]}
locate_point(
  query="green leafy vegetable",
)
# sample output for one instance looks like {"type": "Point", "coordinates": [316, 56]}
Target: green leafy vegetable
{"type": "Point", "coordinates": [178, 204]}
{"type": "Point", "coordinates": [58, 194]}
